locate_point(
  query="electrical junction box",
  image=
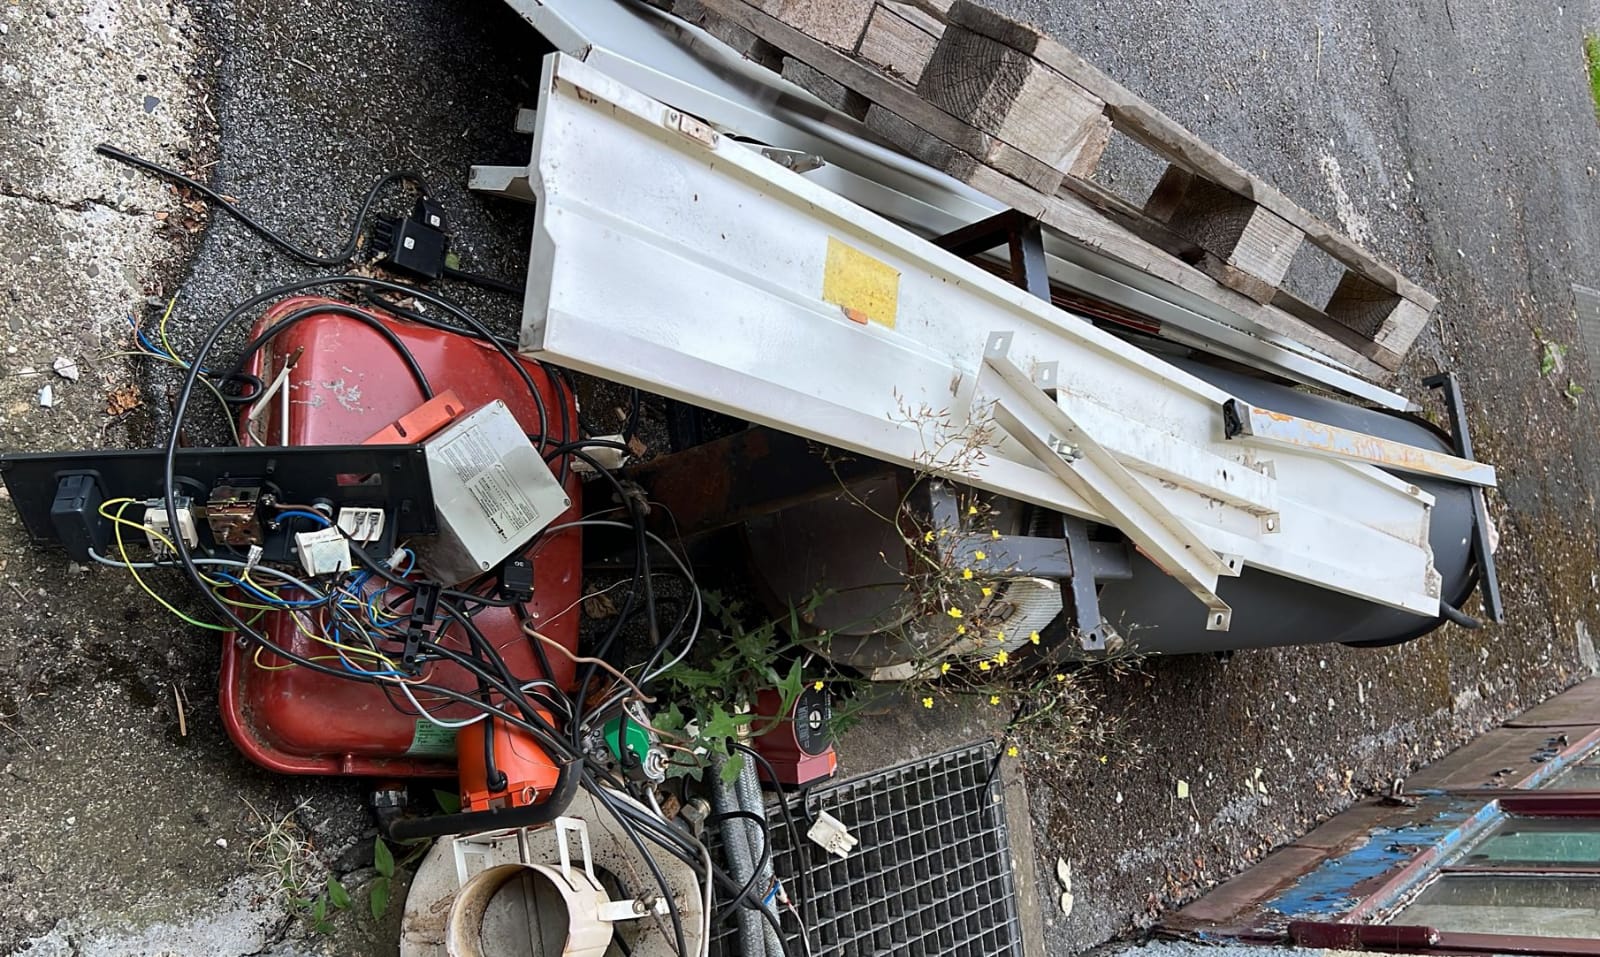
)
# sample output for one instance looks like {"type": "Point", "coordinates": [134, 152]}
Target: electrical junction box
{"type": "Point", "coordinates": [492, 492]}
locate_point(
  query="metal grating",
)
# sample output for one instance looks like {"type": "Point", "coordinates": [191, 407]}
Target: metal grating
{"type": "Point", "coordinates": [1587, 302]}
{"type": "Point", "coordinates": [931, 876]}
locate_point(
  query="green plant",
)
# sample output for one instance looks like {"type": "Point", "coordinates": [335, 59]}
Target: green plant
{"type": "Point", "coordinates": [1591, 60]}
{"type": "Point", "coordinates": [711, 695]}
{"type": "Point", "coordinates": [1552, 356]}
{"type": "Point", "coordinates": [303, 883]}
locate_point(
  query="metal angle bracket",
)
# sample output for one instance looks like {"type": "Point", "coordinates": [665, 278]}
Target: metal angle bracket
{"type": "Point", "coordinates": [1256, 426]}
{"type": "Point", "coordinates": [1030, 416]}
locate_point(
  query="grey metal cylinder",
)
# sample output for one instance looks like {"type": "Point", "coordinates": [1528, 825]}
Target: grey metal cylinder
{"type": "Point", "coordinates": [1157, 615]}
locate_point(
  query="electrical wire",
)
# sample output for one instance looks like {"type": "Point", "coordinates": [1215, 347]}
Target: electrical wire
{"type": "Point", "coordinates": [346, 253]}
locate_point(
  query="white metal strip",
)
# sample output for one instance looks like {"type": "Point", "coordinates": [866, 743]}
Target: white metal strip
{"type": "Point", "coordinates": [1263, 427]}
{"type": "Point", "coordinates": [692, 267]}
{"type": "Point", "coordinates": [1073, 455]}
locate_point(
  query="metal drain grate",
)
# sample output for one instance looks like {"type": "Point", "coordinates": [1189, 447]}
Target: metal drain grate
{"type": "Point", "coordinates": [931, 876]}
{"type": "Point", "coordinates": [1587, 302]}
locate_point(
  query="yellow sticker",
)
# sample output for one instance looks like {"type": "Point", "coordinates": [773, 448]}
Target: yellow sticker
{"type": "Point", "coordinates": [866, 289]}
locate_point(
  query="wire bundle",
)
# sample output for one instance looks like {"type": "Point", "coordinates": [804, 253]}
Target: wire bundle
{"type": "Point", "coordinates": [356, 620]}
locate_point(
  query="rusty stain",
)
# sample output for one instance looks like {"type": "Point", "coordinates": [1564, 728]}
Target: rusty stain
{"type": "Point", "coordinates": [1319, 435]}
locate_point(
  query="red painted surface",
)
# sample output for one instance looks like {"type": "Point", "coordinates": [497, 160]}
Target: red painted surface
{"type": "Point", "coordinates": [348, 384]}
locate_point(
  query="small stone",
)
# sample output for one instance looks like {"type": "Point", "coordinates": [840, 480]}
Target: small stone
{"type": "Point", "coordinates": [66, 368]}
{"type": "Point", "coordinates": [72, 822]}
{"type": "Point", "coordinates": [150, 103]}
{"type": "Point", "coordinates": [47, 397]}
{"type": "Point", "coordinates": [222, 842]}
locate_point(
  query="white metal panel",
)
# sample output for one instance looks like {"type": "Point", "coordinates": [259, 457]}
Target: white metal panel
{"type": "Point", "coordinates": [687, 265]}
{"type": "Point", "coordinates": [680, 65]}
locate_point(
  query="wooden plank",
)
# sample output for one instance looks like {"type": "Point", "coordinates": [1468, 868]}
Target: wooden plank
{"type": "Point", "coordinates": [1086, 155]}
{"type": "Point", "coordinates": [1390, 321]}
{"type": "Point", "coordinates": [1010, 96]}
{"type": "Point", "coordinates": [942, 141]}
{"type": "Point", "coordinates": [901, 39]}
{"type": "Point", "coordinates": [1074, 217]}
{"type": "Point", "coordinates": [1163, 135]}
{"type": "Point", "coordinates": [824, 88]}
{"type": "Point", "coordinates": [838, 23]}
{"type": "Point", "coordinates": [927, 148]}
{"type": "Point", "coordinates": [1256, 244]}
{"type": "Point", "coordinates": [894, 96]}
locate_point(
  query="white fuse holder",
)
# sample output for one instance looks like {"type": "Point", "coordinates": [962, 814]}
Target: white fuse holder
{"type": "Point", "coordinates": [492, 492]}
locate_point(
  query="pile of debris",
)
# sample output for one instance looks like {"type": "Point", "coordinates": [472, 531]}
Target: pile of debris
{"type": "Point", "coordinates": [980, 434]}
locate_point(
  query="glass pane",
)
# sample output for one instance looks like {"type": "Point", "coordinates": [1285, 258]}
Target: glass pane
{"type": "Point", "coordinates": [1519, 904]}
{"type": "Point", "coordinates": [1537, 842]}
{"type": "Point", "coordinates": [1582, 776]}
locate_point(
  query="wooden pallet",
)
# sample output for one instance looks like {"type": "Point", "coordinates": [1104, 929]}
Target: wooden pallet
{"type": "Point", "coordinates": [1004, 108]}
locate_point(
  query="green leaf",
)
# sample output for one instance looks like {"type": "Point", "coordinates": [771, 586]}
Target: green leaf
{"type": "Point", "coordinates": [378, 897]}
{"type": "Point", "coordinates": [337, 895]}
{"type": "Point", "coordinates": [382, 859]}
{"type": "Point", "coordinates": [721, 724]}
{"type": "Point", "coordinates": [300, 904]}
{"type": "Point", "coordinates": [322, 927]}
{"type": "Point", "coordinates": [730, 771]}
{"type": "Point", "coordinates": [319, 910]}
{"type": "Point", "coordinates": [448, 803]}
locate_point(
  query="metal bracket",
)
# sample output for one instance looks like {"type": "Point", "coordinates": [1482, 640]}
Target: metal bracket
{"type": "Point", "coordinates": [1274, 429]}
{"type": "Point", "coordinates": [1022, 236]}
{"type": "Point", "coordinates": [1042, 427]}
{"type": "Point", "coordinates": [1482, 552]}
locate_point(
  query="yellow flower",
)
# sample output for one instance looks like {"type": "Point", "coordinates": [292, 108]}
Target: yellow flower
{"type": "Point", "coordinates": [1033, 637]}
{"type": "Point", "coordinates": [954, 612]}
{"type": "Point", "coordinates": [983, 666]}
{"type": "Point", "coordinates": [1102, 759]}
{"type": "Point", "coordinates": [927, 702]}
{"type": "Point", "coordinates": [966, 574]}
{"type": "Point", "coordinates": [994, 533]}
{"type": "Point", "coordinates": [944, 668]}
{"type": "Point", "coordinates": [979, 555]}
{"type": "Point", "coordinates": [961, 629]}
{"type": "Point", "coordinates": [987, 591]}
{"type": "Point", "coordinates": [994, 699]}
{"type": "Point", "coordinates": [817, 686]}
{"type": "Point", "coordinates": [1011, 752]}
{"type": "Point", "coordinates": [972, 509]}
{"type": "Point", "coordinates": [943, 532]}
{"type": "Point", "coordinates": [927, 537]}
{"type": "Point", "coordinates": [1060, 677]}
{"type": "Point", "coordinates": [999, 636]}
{"type": "Point", "coordinates": [1002, 657]}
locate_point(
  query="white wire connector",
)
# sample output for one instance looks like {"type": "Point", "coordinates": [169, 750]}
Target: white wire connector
{"type": "Point", "coordinates": [253, 557]}
{"type": "Point", "coordinates": [361, 524]}
{"type": "Point", "coordinates": [830, 834]}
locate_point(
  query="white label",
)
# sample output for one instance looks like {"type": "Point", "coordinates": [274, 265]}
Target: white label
{"type": "Point", "coordinates": [507, 509]}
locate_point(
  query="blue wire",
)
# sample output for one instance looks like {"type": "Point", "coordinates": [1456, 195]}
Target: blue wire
{"type": "Point", "coordinates": [260, 595]}
{"type": "Point", "coordinates": [299, 513]}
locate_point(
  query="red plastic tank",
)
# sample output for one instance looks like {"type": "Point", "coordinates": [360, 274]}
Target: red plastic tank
{"type": "Point", "coordinates": [347, 384]}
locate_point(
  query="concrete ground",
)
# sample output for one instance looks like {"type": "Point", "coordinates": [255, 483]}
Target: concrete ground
{"type": "Point", "coordinates": [1457, 136]}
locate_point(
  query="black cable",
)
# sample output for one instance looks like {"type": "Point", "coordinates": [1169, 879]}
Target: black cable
{"type": "Point", "coordinates": [346, 253]}
{"type": "Point", "coordinates": [486, 282]}
{"type": "Point", "coordinates": [649, 860]}
{"type": "Point", "coordinates": [324, 309]}
{"type": "Point", "coordinates": [807, 890]}
{"type": "Point", "coordinates": [743, 898]}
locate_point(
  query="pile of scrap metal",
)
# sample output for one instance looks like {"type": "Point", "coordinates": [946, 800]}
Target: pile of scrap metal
{"type": "Point", "coordinates": [929, 442]}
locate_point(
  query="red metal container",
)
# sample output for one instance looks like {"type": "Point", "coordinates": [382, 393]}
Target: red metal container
{"type": "Point", "coordinates": [347, 384]}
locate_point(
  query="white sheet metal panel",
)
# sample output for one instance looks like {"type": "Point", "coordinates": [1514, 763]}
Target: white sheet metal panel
{"type": "Point", "coordinates": [671, 258]}
{"type": "Point", "coordinates": [682, 66]}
